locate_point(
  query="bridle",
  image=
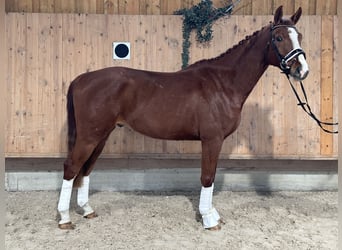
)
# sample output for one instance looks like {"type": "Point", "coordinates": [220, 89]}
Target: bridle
{"type": "Point", "coordinates": [284, 60]}
{"type": "Point", "coordinates": [285, 67]}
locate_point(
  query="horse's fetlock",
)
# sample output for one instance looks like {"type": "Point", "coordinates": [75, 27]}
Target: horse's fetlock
{"type": "Point", "coordinates": [207, 181]}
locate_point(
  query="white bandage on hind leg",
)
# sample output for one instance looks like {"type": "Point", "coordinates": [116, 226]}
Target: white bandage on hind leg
{"type": "Point", "coordinates": [209, 214]}
{"type": "Point", "coordinates": [83, 197]}
{"type": "Point", "coordinates": [64, 201]}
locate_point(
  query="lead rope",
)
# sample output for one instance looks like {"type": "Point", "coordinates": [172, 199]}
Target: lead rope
{"type": "Point", "coordinates": [306, 107]}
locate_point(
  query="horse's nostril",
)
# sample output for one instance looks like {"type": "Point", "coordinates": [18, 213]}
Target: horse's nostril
{"type": "Point", "coordinates": [300, 73]}
{"type": "Point", "coordinates": [305, 75]}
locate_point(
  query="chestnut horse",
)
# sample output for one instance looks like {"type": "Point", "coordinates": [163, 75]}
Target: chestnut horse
{"type": "Point", "coordinates": [201, 102]}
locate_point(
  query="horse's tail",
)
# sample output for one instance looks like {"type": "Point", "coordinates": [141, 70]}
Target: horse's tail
{"type": "Point", "coordinates": [71, 119]}
{"type": "Point", "coordinates": [72, 133]}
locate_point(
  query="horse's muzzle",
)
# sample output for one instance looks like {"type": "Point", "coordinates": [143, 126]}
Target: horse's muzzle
{"type": "Point", "coordinates": [300, 73]}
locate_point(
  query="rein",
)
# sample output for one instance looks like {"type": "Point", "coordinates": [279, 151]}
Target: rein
{"type": "Point", "coordinates": [306, 107]}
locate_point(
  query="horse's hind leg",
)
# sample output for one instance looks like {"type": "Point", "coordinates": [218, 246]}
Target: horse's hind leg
{"type": "Point", "coordinates": [64, 204]}
{"type": "Point", "coordinates": [72, 166]}
{"type": "Point", "coordinates": [83, 199]}
{"type": "Point", "coordinates": [210, 152]}
{"type": "Point", "coordinates": [83, 190]}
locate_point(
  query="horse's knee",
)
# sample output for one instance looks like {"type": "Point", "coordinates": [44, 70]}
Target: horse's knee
{"type": "Point", "coordinates": [207, 180]}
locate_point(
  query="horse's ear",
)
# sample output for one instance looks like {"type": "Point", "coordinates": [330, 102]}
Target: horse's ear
{"type": "Point", "coordinates": [278, 15]}
{"type": "Point", "coordinates": [296, 15]}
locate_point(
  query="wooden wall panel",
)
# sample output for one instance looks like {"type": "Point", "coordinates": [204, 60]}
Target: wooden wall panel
{"type": "Point", "coordinates": [3, 94]}
{"type": "Point", "coordinates": [336, 85]}
{"type": "Point", "coordinates": [47, 51]}
{"type": "Point", "coordinates": [327, 81]}
{"type": "Point", "coordinates": [167, 7]}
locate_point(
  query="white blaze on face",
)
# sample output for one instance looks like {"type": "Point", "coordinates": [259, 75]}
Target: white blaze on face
{"type": "Point", "coordinates": [295, 43]}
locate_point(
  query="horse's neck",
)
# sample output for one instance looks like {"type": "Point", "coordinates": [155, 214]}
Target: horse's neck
{"type": "Point", "coordinates": [248, 61]}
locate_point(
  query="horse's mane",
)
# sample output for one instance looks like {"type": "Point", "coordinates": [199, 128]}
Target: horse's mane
{"type": "Point", "coordinates": [240, 43]}
{"type": "Point", "coordinates": [286, 22]}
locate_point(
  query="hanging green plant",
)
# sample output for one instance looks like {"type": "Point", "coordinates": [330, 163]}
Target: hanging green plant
{"type": "Point", "coordinates": [200, 17]}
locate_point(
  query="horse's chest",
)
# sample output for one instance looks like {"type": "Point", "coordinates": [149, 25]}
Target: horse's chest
{"type": "Point", "coordinates": [225, 116]}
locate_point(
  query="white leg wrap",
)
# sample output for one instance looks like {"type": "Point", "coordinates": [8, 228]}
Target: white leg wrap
{"type": "Point", "coordinates": [87, 209]}
{"type": "Point", "coordinates": [209, 214]}
{"type": "Point", "coordinates": [83, 197]}
{"type": "Point", "coordinates": [64, 201]}
{"type": "Point", "coordinates": [211, 219]}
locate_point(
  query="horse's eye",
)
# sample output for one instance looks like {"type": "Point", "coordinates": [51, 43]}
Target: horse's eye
{"type": "Point", "coordinates": [279, 38]}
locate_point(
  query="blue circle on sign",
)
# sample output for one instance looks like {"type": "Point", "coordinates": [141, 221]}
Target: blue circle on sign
{"type": "Point", "coordinates": [121, 50]}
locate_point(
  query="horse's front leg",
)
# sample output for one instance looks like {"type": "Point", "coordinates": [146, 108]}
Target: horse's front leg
{"type": "Point", "coordinates": [210, 152]}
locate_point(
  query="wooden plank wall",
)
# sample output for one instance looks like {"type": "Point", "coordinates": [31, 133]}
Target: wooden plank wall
{"type": "Point", "coordinates": [46, 51]}
{"type": "Point", "coordinates": [166, 7]}
{"type": "Point", "coordinates": [3, 97]}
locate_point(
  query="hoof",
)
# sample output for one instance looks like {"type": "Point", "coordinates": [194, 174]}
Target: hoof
{"type": "Point", "coordinates": [215, 228]}
{"type": "Point", "coordinates": [66, 226]}
{"type": "Point", "coordinates": [90, 216]}
{"type": "Point", "coordinates": [218, 226]}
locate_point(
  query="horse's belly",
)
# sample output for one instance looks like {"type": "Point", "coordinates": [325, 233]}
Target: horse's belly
{"type": "Point", "coordinates": [164, 128]}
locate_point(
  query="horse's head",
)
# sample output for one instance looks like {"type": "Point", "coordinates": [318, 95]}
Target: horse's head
{"type": "Point", "coordinates": [285, 49]}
